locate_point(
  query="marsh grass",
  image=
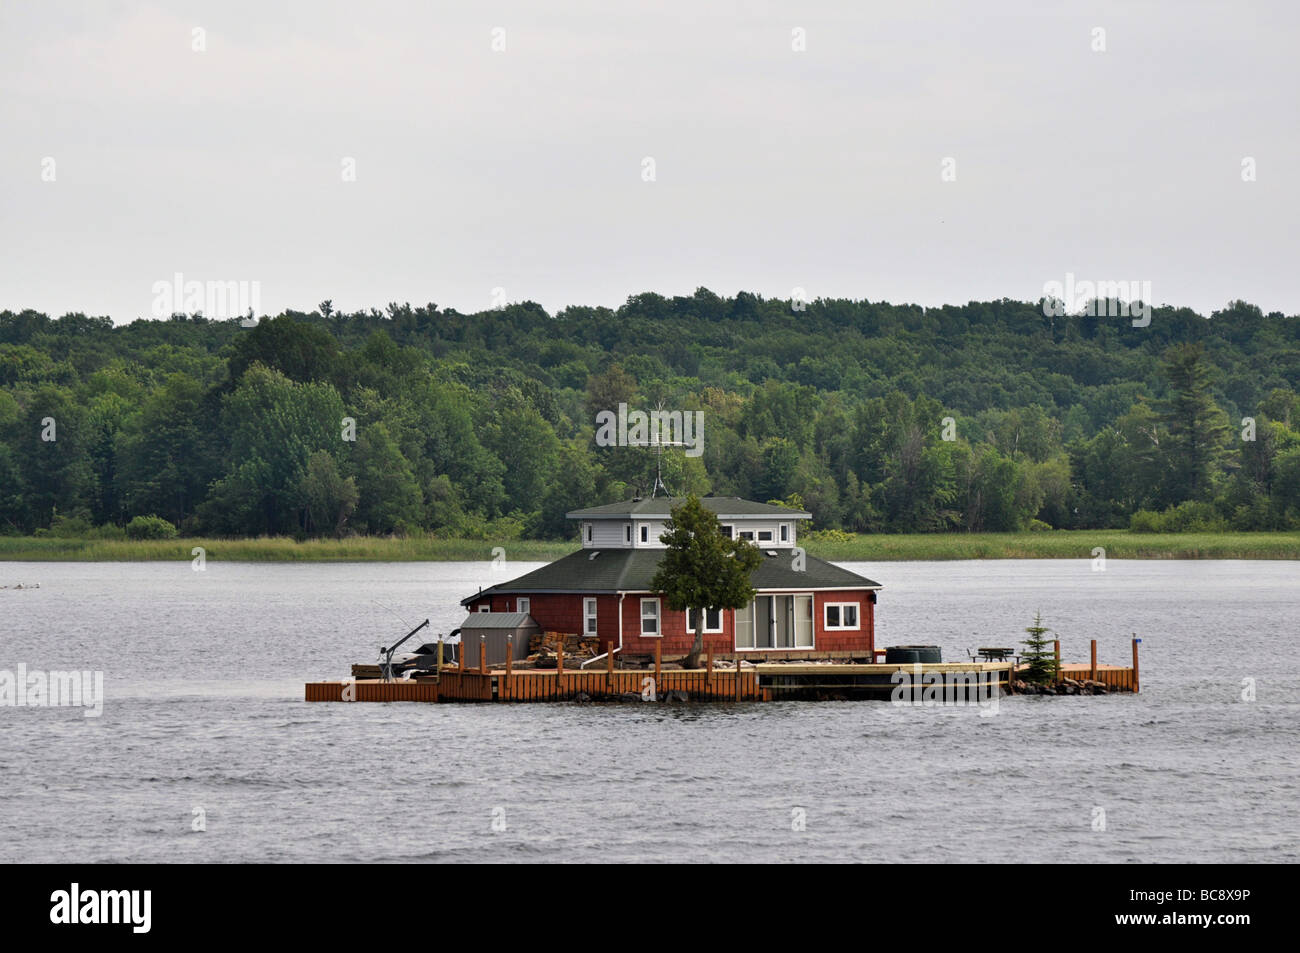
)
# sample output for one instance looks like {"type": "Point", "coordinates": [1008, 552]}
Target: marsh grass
{"type": "Point", "coordinates": [1061, 544]}
{"type": "Point", "coordinates": [1058, 544]}
{"type": "Point", "coordinates": [278, 549]}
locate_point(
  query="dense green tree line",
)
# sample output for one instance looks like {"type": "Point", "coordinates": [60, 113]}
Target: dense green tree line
{"type": "Point", "coordinates": [878, 417]}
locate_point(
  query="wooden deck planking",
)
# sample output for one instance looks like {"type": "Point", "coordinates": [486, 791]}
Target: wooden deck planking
{"type": "Point", "coordinates": [547, 685]}
{"type": "Point", "coordinates": [1112, 676]}
{"type": "Point", "coordinates": [542, 685]}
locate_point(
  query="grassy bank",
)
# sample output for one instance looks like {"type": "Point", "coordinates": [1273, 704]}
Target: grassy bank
{"type": "Point", "coordinates": [277, 549]}
{"type": "Point", "coordinates": [1062, 544]}
{"type": "Point", "coordinates": [1072, 544]}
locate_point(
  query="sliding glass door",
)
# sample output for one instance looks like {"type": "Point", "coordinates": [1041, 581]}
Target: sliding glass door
{"type": "Point", "coordinates": [801, 621]}
{"type": "Point", "coordinates": [776, 622]}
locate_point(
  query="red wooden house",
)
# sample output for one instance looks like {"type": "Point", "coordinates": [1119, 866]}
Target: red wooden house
{"type": "Point", "coordinates": [803, 604]}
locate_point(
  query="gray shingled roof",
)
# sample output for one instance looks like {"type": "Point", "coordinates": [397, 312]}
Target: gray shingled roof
{"type": "Point", "coordinates": [721, 506]}
{"type": "Point", "coordinates": [630, 570]}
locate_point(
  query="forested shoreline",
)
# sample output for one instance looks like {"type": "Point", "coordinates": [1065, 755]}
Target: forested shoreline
{"type": "Point", "coordinates": [877, 418]}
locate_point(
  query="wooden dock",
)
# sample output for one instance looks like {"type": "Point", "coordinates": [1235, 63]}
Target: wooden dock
{"type": "Point", "coordinates": [362, 690]}
{"type": "Point", "coordinates": [1112, 676]}
{"type": "Point", "coordinates": [878, 680]}
{"type": "Point", "coordinates": [549, 686]}
{"type": "Point", "coordinates": [823, 680]}
{"type": "Point", "coordinates": [760, 683]}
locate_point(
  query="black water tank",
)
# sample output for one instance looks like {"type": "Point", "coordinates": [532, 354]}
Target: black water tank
{"type": "Point", "coordinates": [913, 653]}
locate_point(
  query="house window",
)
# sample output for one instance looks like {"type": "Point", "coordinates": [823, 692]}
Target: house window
{"type": "Point", "coordinates": [785, 532]}
{"type": "Point", "coordinates": [729, 530]}
{"type": "Point", "coordinates": [650, 617]}
{"type": "Point", "coordinates": [589, 614]}
{"type": "Point", "coordinates": [587, 527]}
{"type": "Point", "coordinates": [841, 615]}
{"type": "Point", "coordinates": [524, 604]}
{"type": "Point", "coordinates": [764, 535]}
{"type": "Point", "coordinates": [485, 607]}
{"type": "Point", "coordinates": [645, 533]}
{"type": "Point", "coordinates": [712, 620]}
{"type": "Point", "coordinates": [745, 627]}
{"type": "Point", "coordinates": [747, 534]}
{"type": "Point", "coordinates": [627, 533]}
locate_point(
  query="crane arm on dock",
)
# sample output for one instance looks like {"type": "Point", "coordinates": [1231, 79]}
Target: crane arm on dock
{"type": "Point", "coordinates": [387, 669]}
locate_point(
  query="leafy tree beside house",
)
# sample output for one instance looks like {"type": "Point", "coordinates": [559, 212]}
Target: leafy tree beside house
{"type": "Point", "coordinates": [703, 568]}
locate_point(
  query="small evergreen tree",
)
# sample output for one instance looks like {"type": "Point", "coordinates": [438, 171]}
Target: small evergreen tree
{"type": "Point", "coordinates": [1040, 656]}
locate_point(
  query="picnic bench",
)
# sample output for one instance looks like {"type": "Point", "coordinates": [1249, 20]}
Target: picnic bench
{"type": "Point", "coordinates": [991, 654]}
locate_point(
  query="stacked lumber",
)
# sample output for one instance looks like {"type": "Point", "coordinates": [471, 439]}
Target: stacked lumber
{"type": "Point", "coordinates": [544, 649]}
{"type": "Point", "coordinates": [580, 646]}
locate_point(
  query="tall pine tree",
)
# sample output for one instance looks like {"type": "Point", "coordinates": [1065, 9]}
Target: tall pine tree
{"type": "Point", "coordinates": [1196, 429]}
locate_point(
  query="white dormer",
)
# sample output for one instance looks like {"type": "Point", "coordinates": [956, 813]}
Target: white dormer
{"type": "Point", "coordinates": [765, 533]}
{"type": "Point", "coordinates": [638, 524]}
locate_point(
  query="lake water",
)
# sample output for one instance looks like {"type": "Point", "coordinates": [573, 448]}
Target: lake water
{"type": "Point", "coordinates": [204, 683]}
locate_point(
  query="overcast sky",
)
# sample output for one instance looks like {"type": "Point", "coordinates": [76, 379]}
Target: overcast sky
{"type": "Point", "coordinates": [524, 168]}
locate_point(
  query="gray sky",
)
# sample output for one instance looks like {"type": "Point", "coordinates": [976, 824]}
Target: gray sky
{"type": "Point", "coordinates": [522, 169]}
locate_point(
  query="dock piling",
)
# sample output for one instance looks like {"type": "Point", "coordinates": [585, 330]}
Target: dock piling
{"type": "Point", "coordinates": [1093, 674]}
{"type": "Point", "coordinates": [1136, 680]}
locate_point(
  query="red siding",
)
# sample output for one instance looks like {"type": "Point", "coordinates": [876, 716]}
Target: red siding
{"type": "Point", "coordinates": [564, 613]}
{"type": "Point", "coordinates": [836, 640]}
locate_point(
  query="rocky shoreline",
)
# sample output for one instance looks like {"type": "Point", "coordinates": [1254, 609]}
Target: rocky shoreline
{"type": "Point", "coordinates": [1066, 686]}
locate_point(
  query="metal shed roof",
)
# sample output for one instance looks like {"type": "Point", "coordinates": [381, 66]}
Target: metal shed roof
{"type": "Point", "coordinates": [498, 620]}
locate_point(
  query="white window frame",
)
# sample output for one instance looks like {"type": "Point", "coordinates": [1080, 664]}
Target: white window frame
{"type": "Point", "coordinates": [587, 531]}
{"type": "Point", "coordinates": [708, 630]}
{"type": "Point", "coordinates": [645, 532]}
{"type": "Point", "coordinates": [730, 530]}
{"type": "Point", "coordinates": [857, 616]}
{"type": "Point", "coordinates": [746, 534]}
{"type": "Point", "coordinates": [658, 617]}
{"type": "Point", "coordinates": [524, 604]}
{"type": "Point", "coordinates": [785, 532]}
{"type": "Point", "coordinates": [627, 532]}
{"type": "Point", "coordinates": [590, 610]}
{"type": "Point", "coordinates": [765, 536]}
{"type": "Point", "coordinates": [486, 607]}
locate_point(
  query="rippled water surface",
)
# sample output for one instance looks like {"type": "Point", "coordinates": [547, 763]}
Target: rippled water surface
{"type": "Point", "coordinates": [204, 682]}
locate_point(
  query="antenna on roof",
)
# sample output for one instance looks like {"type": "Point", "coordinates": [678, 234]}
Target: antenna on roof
{"type": "Point", "coordinates": [657, 443]}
